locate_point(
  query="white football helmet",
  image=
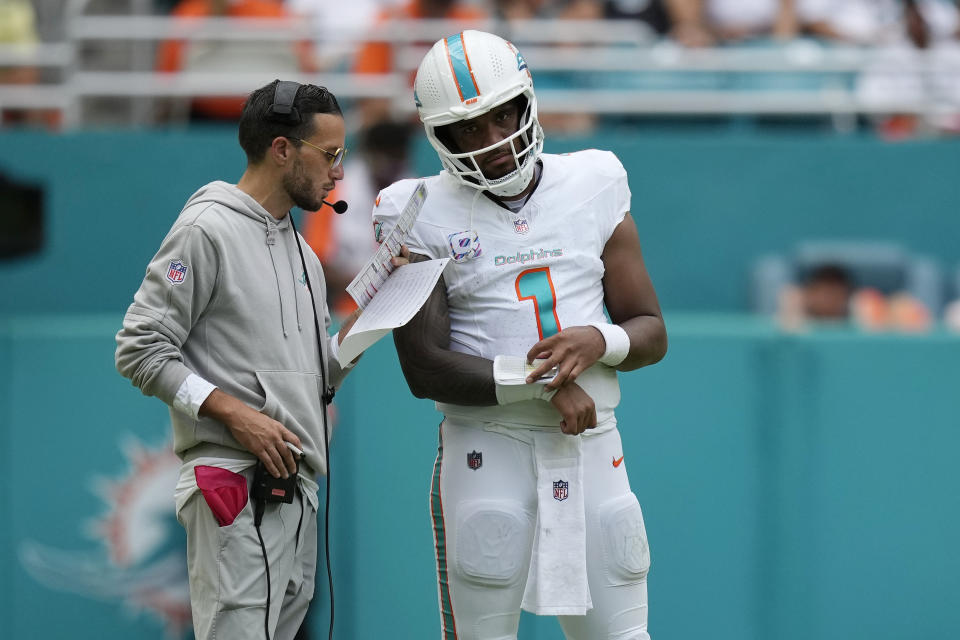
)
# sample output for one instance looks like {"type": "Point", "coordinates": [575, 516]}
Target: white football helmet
{"type": "Point", "coordinates": [465, 76]}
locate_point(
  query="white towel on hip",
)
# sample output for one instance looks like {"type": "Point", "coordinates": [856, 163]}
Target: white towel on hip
{"type": "Point", "coordinates": [557, 581]}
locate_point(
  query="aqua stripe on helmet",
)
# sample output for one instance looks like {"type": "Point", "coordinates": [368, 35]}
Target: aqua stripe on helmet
{"type": "Point", "coordinates": [461, 68]}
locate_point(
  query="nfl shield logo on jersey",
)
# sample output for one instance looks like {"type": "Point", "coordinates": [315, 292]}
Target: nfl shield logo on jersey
{"type": "Point", "coordinates": [475, 460]}
{"type": "Point", "coordinates": [176, 271]}
{"type": "Point", "coordinates": [560, 490]}
{"type": "Point", "coordinates": [464, 245]}
{"type": "Point", "coordinates": [520, 225]}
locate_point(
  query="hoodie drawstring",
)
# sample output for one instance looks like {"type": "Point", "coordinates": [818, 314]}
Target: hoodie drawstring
{"type": "Point", "coordinates": [297, 282]}
{"type": "Point", "coordinates": [272, 240]}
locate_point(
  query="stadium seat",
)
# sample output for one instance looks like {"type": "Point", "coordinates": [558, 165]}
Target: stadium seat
{"type": "Point", "coordinates": [885, 266]}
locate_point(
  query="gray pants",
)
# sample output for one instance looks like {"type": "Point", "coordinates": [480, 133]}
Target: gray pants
{"type": "Point", "coordinates": [228, 584]}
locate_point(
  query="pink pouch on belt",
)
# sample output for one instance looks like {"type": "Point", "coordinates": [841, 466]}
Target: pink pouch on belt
{"type": "Point", "coordinates": [224, 491]}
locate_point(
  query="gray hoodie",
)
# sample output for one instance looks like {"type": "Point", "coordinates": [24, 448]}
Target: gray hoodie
{"type": "Point", "coordinates": [225, 297]}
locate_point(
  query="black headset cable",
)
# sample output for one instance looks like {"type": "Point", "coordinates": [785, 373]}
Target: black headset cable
{"type": "Point", "coordinates": [328, 393]}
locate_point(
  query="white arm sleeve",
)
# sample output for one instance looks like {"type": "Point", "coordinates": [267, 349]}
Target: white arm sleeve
{"type": "Point", "coordinates": [191, 394]}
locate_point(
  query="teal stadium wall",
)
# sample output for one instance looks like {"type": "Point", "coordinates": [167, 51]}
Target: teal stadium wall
{"type": "Point", "coordinates": [706, 205]}
{"type": "Point", "coordinates": [794, 486]}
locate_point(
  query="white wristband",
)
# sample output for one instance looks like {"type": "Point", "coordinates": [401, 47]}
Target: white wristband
{"type": "Point", "coordinates": [617, 340]}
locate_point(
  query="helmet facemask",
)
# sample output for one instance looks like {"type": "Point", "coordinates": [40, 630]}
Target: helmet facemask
{"type": "Point", "coordinates": [524, 145]}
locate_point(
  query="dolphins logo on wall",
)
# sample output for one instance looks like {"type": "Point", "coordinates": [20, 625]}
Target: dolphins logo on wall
{"type": "Point", "coordinates": [142, 563]}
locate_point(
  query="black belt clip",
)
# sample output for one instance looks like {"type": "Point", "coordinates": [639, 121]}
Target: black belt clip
{"type": "Point", "coordinates": [328, 394]}
{"type": "Point", "coordinates": [266, 488]}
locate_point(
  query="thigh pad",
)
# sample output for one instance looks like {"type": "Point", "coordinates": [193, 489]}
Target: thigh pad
{"type": "Point", "coordinates": [625, 547]}
{"type": "Point", "coordinates": [493, 541]}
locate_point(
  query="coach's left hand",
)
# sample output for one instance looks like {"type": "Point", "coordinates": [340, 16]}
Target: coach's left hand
{"type": "Point", "coordinates": [573, 351]}
{"type": "Point", "coordinates": [396, 261]}
{"type": "Point", "coordinates": [348, 323]}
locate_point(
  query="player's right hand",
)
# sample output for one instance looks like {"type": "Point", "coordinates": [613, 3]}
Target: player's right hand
{"type": "Point", "coordinates": [572, 351]}
{"type": "Point", "coordinates": [261, 435]}
{"type": "Point", "coordinates": [577, 408]}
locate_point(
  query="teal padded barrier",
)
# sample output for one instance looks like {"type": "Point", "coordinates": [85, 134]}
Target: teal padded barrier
{"type": "Point", "coordinates": [792, 485]}
{"type": "Point", "coordinates": [68, 416]}
{"type": "Point", "coordinates": [700, 201]}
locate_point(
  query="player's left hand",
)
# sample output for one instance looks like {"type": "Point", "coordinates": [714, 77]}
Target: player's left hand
{"type": "Point", "coordinates": [577, 409]}
{"type": "Point", "coordinates": [403, 258]}
{"type": "Point", "coordinates": [572, 351]}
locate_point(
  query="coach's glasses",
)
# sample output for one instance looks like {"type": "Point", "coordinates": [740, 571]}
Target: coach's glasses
{"type": "Point", "coordinates": [336, 157]}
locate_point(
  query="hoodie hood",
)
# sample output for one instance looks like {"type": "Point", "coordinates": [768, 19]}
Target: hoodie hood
{"type": "Point", "coordinates": [230, 196]}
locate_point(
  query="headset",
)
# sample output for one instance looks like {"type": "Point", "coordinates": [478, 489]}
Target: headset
{"type": "Point", "coordinates": [283, 111]}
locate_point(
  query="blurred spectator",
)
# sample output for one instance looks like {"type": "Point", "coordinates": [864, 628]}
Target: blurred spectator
{"type": "Point", "coordinates": [212, 56]}
{"type": "Point", "coordinates": [164, 6]}
{"type": "Point", "coordinates": [827, 291]}
{"type": "Point", "coordinates": [702, 23]}
{"type": "Point", "coordinates": [951, 316]}
{"type": "Point", "coordinates": [50, 24]}
{"type": "Point", "coordinates": [18, 26]}
{"type": "Point", "coordinates": [873, 311]}
{"type": "Point", "coordinates": [582, 123]}
{"type": "Point", "coordinates": [824, 294]}
{"type": "Point", "coordinates": [652, 13]}
{"type": "Point", "coordinates": [378, 57]}
{"type": "Point", "coordinates": [510, 10]}
{"type": "Point", "coordinates": [580, 9]}
{"type": "Point", "coordinates": [917, 63]}
{"type": "Point", "coordinates": [881, 22]}
{"type": "Point", "coordinates": [338, 27]}
{"type": "Point", "coordinates": [828, 294]}
{"type": "Point", "coordinates": [886, 286]}
{"type": "Point", "coordinates": [344, 242]}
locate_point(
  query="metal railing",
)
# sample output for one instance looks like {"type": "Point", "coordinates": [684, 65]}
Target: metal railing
{"type": "Point", "coordinates": [630, 62]}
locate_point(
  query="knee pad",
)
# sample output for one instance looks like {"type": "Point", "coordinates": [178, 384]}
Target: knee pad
{"type": "Point", "coordinates": [630, 624]}
{"type": "Point", "coordinates": [639, 634]}
{"type": "Point", "coordinates": [493, 541]}
{"type": "Point", "coordinates": [625, 547]}
{"type": "Point", "coordinates": [500, 626]}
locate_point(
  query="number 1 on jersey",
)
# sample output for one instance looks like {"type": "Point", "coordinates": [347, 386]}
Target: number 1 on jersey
{"type": "Point", "coordinates": [536, 285]}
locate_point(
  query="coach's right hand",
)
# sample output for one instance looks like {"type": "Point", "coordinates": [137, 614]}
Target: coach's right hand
{"type": "Point", "coordinates": [577, 408]}
{"type": "Point", "coordinates": [261, 435]}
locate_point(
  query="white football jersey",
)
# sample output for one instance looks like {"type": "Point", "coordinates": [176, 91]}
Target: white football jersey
{"type": "Point", "coordinates": [516, 278]}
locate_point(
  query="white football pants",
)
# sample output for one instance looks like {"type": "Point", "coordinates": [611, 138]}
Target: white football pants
{"type": "Point", "coordinates": [484, 510]}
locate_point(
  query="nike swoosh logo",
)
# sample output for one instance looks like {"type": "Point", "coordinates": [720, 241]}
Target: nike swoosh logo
{"type": "Point", "coordinates": [617, 461]}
